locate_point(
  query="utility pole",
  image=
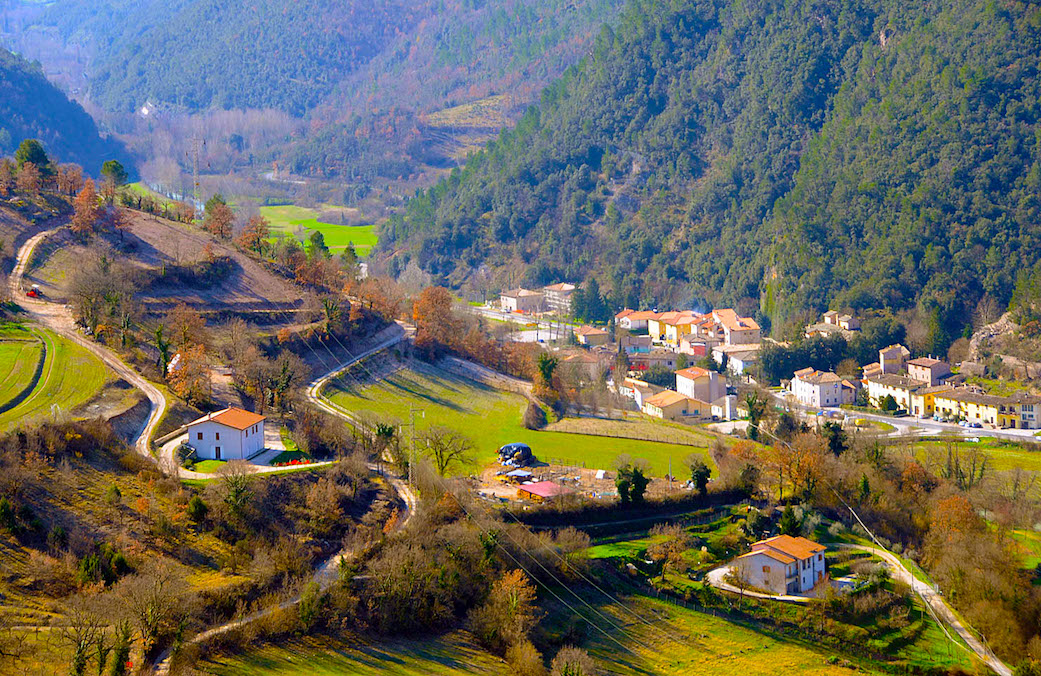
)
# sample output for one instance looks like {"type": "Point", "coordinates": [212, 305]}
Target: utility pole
{"type": "Point", "coordinates": [196, 144]}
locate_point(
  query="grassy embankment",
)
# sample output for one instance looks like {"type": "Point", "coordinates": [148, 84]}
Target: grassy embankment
{"type": "Point", "coordinates": [920, 644]}
{"type": "Point", "coordinates": [1001, 455]}
{"type": "Point", "coordinates": [492, 418]}
{"type": "Point", "coordinates": [675, 641]}
{"type": "Point", "coordinates": [70, 376]}
{"type": "Point", "coordinates": [286, 220]}
{"type": "Point", "coordinates": [452, 655]}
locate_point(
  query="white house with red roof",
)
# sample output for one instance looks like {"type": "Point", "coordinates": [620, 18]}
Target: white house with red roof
{"type": "Point", "coordinates": [783, 565]}
{"type": "Point", "coordinates": [231, 434]}
{"type": "Point", "coordinates": [699, 383]}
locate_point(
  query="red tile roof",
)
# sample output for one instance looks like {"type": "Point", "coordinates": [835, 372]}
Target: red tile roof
{"type": "Point", "coordinates": [800, 547]}
{"type": "Point", "coordinates": [693, 372]}
{"type": "Point", "coordinates": [235, 418]}
{"type": "Point", "coordinates": [544, 489]}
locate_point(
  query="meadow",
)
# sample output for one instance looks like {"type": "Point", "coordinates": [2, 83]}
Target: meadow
{"type": "Point", "coordinates": [70, 377]}
{"type": "Point", "coordinates": [492, 418]}
{"type": "Point", "coordinates": [1001, 454]}
{"type": "Point", "coordinates": [20, 354]}
{"type": "Point", "coordinates": [286, 220]}
{"type": "Point", "coordinates": [922, 645]}
{"type": "Point", "coordinates": [453, 655]}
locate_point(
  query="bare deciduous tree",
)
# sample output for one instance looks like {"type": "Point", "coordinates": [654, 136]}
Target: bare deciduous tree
{"type": "Point", "coordinates": [446, 447]}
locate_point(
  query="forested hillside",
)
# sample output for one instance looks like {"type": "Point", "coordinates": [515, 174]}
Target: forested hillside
{"type": "Point", "coordinates": [31, 107]}
{"type": "Point", "coordinates": [268, 54]}
{"type": "Point", "coordinates": [264, 54]}
{"type": "Point", "coordinates": [778, 156]}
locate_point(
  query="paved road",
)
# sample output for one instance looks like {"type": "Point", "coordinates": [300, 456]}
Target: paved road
{"type": "Point", "coordinates": [59, 319]}
{"type": "Point", "coordinates": [920, 426]}
{"type": "Point", "coordinates": [937, 603]}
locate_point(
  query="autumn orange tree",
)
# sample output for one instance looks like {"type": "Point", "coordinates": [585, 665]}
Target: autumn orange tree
{"type": "Point", "coordinates": [85, 210]}
{"type": "Point", "coordinates": [30, 180]}
{"type": "Point", "coordinates": [219, 220]}
{"type": "Point", "coordinates": [437, 327]}
{"type": "Point", "coordinates": [69, 179]}
{"type": "Point", "coordinates": [254, 236]}
{"type": "Point", "coordinates": [187, 327]}
{"type": "Point", "coordinates": [190, 378]}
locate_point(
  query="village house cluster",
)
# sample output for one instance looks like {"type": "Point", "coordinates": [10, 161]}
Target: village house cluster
{"type": "Point", "coordinates": [666, 339]}
{"type": "Point", "coordinates": [924, 387]}
{"type": "Point", "coordinates": [650, 339]}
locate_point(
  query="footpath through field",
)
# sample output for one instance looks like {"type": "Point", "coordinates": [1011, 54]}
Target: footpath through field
{"type": "Point", "coordinates": [717, 578]}
{"type": "Point", "coordinates": [59, 319]}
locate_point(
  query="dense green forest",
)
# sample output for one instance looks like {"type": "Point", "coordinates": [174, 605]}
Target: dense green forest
{"type": "Point", "coordinates": [294, 57]}
{"type": "Point", "coordinates": [776, 156]}
{"type": "Point", "coordinates": [257, 54]}
{"type": "Point", "coordinates": [32, 107]}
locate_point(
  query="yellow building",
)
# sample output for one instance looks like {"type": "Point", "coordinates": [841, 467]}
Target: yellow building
{"type": "Point", "coordinates": [902, 390]}
{"type": "Point", "coordinates": [970, 406]}
{"type": "Point", "coordinates": [923, 401]}
{"type": "Point", "coordinates": [669, 405]}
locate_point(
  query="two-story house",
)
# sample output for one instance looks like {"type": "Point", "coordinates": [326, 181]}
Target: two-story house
{"type": "Point", "coordinates": [783, 565]}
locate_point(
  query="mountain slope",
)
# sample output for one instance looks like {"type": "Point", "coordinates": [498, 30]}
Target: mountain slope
{"type": "Point", "coordinates": [267, 54]}
{"type": "Point", "coordinates": [31, 107]}
{"type": "Point", "coordinates": [787, 156]}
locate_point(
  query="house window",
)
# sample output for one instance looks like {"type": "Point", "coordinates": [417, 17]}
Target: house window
{"type": "Point", "coordinates": [766, 569]}
{"type": "Point", "coordinates": [198, 436]}
{"type": "Point", "coordinates": [217, 436]}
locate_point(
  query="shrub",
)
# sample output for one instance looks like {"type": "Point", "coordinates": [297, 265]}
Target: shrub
{"type": "Point", "coordinates": [525, 660]}
{"type": "Point", "coordinates": [197, 509]}
{"type": "Point", "coordinates": [7, 520]}
{"type": "Point", "coordinates": [57, 538]}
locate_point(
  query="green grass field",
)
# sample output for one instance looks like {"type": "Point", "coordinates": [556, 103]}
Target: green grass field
{"type": "Point", "coordinates": [286, 219]}
{"type": "Point", "coordinates": [1029, 542]}
{"type": "Point", "coordinates": [71, 377]}
{"type": "Point", "coordinates": [451, 655]}
{"type": "Point", "coordinates": [676, 640]}
{"type": "Point", "coordinates": [208, 466]}
{"type": "Point", "coordinates": [921, 645]}
{"type": "Point", "coordinates": [20, 353]}
{"type": "Point", "coordinates": [490, 418]}
{"type": "Point", "coordinates": [1001, 455]}
{"type": "Point", "coordinates": [140, 188]}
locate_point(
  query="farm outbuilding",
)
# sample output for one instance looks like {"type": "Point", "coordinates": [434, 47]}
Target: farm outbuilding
{"type": "Point", "coordinates": [542, 491]}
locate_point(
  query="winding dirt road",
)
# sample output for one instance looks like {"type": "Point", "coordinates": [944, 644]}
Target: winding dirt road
{"type": "Point", "coordinates": [326, 574]}
{"type": "Point", "coordinates": [58, 318]}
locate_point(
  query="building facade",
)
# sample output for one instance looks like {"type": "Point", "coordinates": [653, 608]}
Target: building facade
{"type": "Point", "coordinates": [699, 383]}
{"type": "Point", "coordinates": [818, 389]}
{"type": "Point", "coordinates": [783, 565]}
{"type": "Point", "coordinates": [231, 434]}
{"type": "Point", "coordinates": [927, 370]}
{"type": "Point", "coordinates": [558, 298]}
{"type": "Point", "coordinates": [521, 300]}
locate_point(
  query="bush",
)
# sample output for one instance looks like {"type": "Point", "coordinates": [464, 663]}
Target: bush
{"type": "Point", "coordinates": [7, 520]}
{"type": "Point", "coordinates": [197, 509]}
{"type": "Point", "coordinates": [525, 660]}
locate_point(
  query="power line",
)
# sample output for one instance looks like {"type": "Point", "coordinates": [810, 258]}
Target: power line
{"type": "Point", "coordinates": [593, 584]}
{"type": "Point", "coordinates": [550, 589]}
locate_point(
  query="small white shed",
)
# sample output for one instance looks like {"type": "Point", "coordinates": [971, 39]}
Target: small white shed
{"type": "Point", "coordinates": [231, 434]}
